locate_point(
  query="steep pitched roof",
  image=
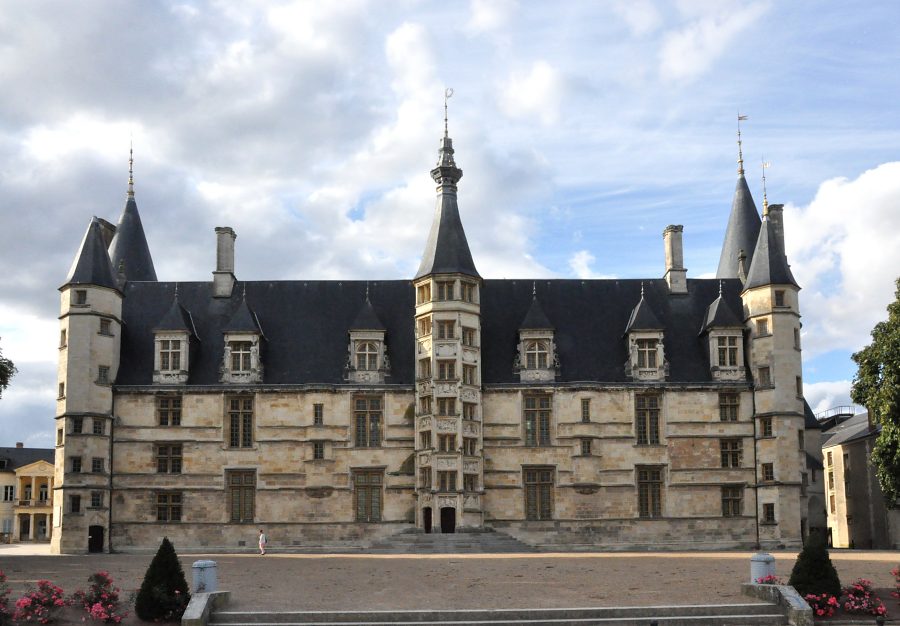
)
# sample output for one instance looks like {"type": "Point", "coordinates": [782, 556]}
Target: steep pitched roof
{"type": "Point", "coordinates": [367, 319]}
{"type": "Point", "coordinates": [857, 427]}
{"type": "Point", "coordinates": [741, 233]}
{"type": "Point", "coordinates": [813, 463]}
{"type": "Point", "coordinates": [769, 266]}
{"type": "Point", "coordinates": [720, 315]}
{"type": "Point", "coordinates": [244, 320]}
{"type": "Point", "coordinates": [92, 265]}
{"type": "Point", "coordinates": [447, 250]}
{"type": "Point", "coordinates": [809, 418]}
{"type": "Point", "coordinates": [20, 457]}
{"type": "Point", "coordinates": [129, 247]}
{"type": "Point", "coordinates": [535, 319]}
{"type": "Point", "coordinates": [177, 318]}
{"type": "Point", "coordinates": [642, 317]}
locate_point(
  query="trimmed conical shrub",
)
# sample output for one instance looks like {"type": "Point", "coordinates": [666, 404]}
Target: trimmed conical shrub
{"type": "Point", "coordinates": [164, 592]}
{"type": "Point", "coordinates": [813, 571]}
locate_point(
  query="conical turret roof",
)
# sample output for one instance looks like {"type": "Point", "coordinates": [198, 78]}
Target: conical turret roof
{"type": "Point", "coordinates": [177, 318]}
{"type": "Point", "coordinates": [367, 319]}
{"type": "Point", "coordinates": [535, 319]}
{"type": "Point", "coordinates": [244, 320]}
{"type": "Point", "coordinates": [719, 314]}
{"type": "Point", "coordinates": [769, 266]}
{"type": "Point", "coordinates": [129, 248]}
{"type": "Point", "coordinates": [643, 317]}
{"type": "Point", "coordinates": [741, 233]}
{"type": "Point", "coordinates": [92, 265]}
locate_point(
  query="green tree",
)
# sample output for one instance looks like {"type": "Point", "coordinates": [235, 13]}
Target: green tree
{"type": "Point", "coordinates": [7, 369]}
{"type": "Point", "coordinates": [164, 592]}
{"type": "Point", "coordinates": [813, 571]}
{"type": "Point", "coordinates": [877, 387]}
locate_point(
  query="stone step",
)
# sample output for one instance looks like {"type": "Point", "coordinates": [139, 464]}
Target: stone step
{"type": "Point", "coordinates": [456, 543]}
{"type": "Point", "coordinates": [698, 615]}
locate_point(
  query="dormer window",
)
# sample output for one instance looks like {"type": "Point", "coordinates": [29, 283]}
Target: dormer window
{"type": "Point", "coordinates": [240, 356]}
{"type": "Point", "coordinates": [644, 333]}
{"type": "Point", "coordinates": [646, 353]}
{"type": "Point", "coordinates": [366, 356]}
{"type": "Point", "coordinates": [173, 337]}
{"type": "Point", "coordinates": [725, 333]}
{"type": "Point", "coordinates": [243, 337]}
{"type": "Point", "coordinates": [536, 359]}
{"type": "Point", "coordinates": [536, 355]}
{"type": "Point", "coordinates": [367, 361]}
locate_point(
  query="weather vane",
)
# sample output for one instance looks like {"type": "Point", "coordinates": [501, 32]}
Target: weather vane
{"type": "Point", "coordinates": [448, 93]}
{"type": "Point", "coordinates": [765, 166]}
{"type": "Point", "coordinates": [740, 152]}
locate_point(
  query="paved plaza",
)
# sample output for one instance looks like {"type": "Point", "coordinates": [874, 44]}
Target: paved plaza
{"type": "Point", "coordinates": [332, 582]}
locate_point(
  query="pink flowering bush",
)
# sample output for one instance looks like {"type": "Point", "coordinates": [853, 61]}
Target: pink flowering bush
{"type": "Point", "coordinates": [101, 600]}
{"type": "Point", "coordinates": [823, 605]}
{"type": "Point", "coordinates": [4, 598]}
{"type": "Point", "coordinates": [39, 605]}
{"type": "Point", "coordinates": [896, 591]}
{"type": "Point", "coordinates": [859, 598]}
{"type": "Point", "coordinates": [769, 579]}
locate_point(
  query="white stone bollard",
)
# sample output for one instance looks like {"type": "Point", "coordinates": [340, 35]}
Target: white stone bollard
{"type": "Point", "coordinates": [761, 564]}
{"type": "Point", "coordinates": [204, 577]}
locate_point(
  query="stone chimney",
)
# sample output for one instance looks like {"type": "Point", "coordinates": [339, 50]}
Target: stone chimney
{"type": "Point", "coordinates": [107, 231]}
{"type": "Point", "coordinates": [676, 275]}
{"type": "Point", "coordinates": [223, 276]}
{"type": "Point", "coordinates": [776, 216]}
{"type": "Point", "coordinates": [19, 444]}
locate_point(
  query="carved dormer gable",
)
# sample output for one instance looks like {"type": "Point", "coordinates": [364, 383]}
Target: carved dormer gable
{"type": "Point", "coordinates": [537, 359]}
{"type": "Point", "coordinates": [646, 353]}
{"type": "Point", "coordinates": [175, 338]}
{"type": "Point", "coordinates": [242, 355]}
{"type": "Point", "coordinates": [725, 339]}
{"type": "Point", "coordinates": [367, 359]}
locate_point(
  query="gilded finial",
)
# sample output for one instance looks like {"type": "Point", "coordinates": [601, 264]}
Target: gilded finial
{"type": "Point", "coordinates": [765, 165]}
{"type": "Point", "coordinates": [740, 148]}
{"type": "Point", "coordinates": [448, 93]}
{"type": "Point", "coordinates": [720, 288]}
{"type": "Point", "coordinates": [642, 289]}
{"type": "Point", "coordinates": [533, 289]}
{"type": "Point", "coordinates": [131, 169]}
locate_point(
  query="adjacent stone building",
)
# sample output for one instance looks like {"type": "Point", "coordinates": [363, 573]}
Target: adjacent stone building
{"type": "Point", "coordinates": [26, 481]}
{"type": "Point", "coordinates": [623, 413]}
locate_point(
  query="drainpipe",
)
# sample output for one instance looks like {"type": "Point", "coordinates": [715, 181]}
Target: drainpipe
{"type": "Point", "coordinates": [112, 427]}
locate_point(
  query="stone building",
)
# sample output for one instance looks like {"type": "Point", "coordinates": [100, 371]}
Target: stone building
{"type": "Point", "coordinates": [26, 480]}
{"type": "Point", "coordinates": [626, 413]}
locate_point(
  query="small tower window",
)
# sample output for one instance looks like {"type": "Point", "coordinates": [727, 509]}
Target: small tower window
{"type": "Point", "coordinates": [762, 327]}
{"type": "Point", "coordinates": [468, 337]}
{"type": "Point", "coordinates": [536, 355]}
{"type": "Point", "coordinates": [103, 374]}
{"type": "Point", "coordinates": [585, 409]}
{"type": "Point", "coordinates": [62, 390]}
{"type": "Point", "coordinates": [445, 329]}
{"type": "Point", "coordinates": [105, 327]}
{"type": "Point", "coordinates": [779, 297]}
{"type": "Point", "coordinates": [444, 290]}
{"type": "Point", "coordinates": [765, 377]}
{"type": "Point", "coordinates": [318, 450]}
{"type": "Point", "coordinates": [423, 293]}
{"type": "Point", "coordinates": [797, 338]}
{"type": "Point", "coordinates": [367, 356]}
{"type": "Point", "coordinates": [318, 414]}
{"type": "Point", "coordinates": [468, 292]}
{"type": "Point", "coordinates": [79, 297]}
{"type": "Point", "coordinates": [646, 353]}
{"type": "Point", "coordinates": [424, 326]}
{"type": "Point", "coordinates": [62, 338]}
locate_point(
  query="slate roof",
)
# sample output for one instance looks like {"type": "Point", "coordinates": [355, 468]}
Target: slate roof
{"type": "Point", "coordinates": [535, 319]}
{"type": "Point", "coordinates": [177, 318]}
{"type": "Point", "coordinates": [367, 319]}
{"type": "Point", "coordinates": [721, 315]}
{"type": "Point", "coordinates": [92, 265]}
{"type": "Point", "coordinates": [642, 317]}
{"type": "Point", "coordinates": [243, 320]}
{"type": "Point", "coordinates": [307, 322]}
{"type": "Point", "coordinates": [813, 463]}
{"type": "Point", "coordinates": [855, 428]}
{"type": "Point", "coordinates": [129, 246]}
{"type": "Point", "coordinates": [769, 266]}
{"type": "Point", "coordinates": [809, 418]}
{"type": "Point", "coordinates": [741, 233]}
{"type": "Point", "coordinates": [19, 457]}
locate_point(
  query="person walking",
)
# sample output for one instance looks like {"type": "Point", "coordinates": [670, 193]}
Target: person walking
{"type": "Point", "coordinates": [262, 542]}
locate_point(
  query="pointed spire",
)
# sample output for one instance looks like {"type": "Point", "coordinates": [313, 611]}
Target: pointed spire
{"type": "Point", "coordinates": [765, 166]}
{"type": "Point", "coordinates": [743, 223]}
{"type": "Point", "coordinates": [740, 150]}
{"type": "Point", "coordinates": [643, 317]}
{"type": "Point", "coordinates": [129, 251]}
{"type": "Point", "coordinates": [535, 319]}
{"type": "Point", "coordinates": [447, 250]}
{"type": "Point", "coordinates": [177, 318]}
{"type": "Point", "coordinates": [769, 265]}
{"type": "Point", "coordinates": [244, 319]}
{"type": "Point", "coordinates": [92, 265]}
{"type": "Point", "coordinates": [367, 318]}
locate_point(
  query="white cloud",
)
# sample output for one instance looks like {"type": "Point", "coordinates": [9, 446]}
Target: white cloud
{"type": "Point", "coordinates": [580, 263]}
{"type": "Point", "coordinates": [828, 394]}
{"type": "Point", "coordinates": [489, 15]}
{"type": "Point", "coordinates": [641, 16]}
{"type": "Point", "coordinates": [536, 93]}
{"type": "Point", "coordinates": [693, 49]}
{"type": "Point", "coordinates": [844, 250]}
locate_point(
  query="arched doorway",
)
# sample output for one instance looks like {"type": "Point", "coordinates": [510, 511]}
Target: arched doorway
{"type": "Point", "coordinates": [426, 519]}
{"type": "Point", "coordinates": [448, 520]}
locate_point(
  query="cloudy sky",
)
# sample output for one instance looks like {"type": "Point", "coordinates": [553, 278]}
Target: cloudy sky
{"type": "Point", "coordinates": [583, 128]}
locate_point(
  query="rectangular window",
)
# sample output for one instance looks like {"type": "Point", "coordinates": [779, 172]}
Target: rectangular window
{"type": "Point", "coordinates": [446, 443]}
{"type": "Point", "coordinates": [425, 440]}
{"type": "Point", "coordinates": [728, 407]}
{"type": "Point", "coordinates": [168, 506]}
{"type": "Point", "coordinates": [444, 290]}
{"type": "Point", "coordinates": [797, 338]}
{"type": "Point", "coordinates": [831, 481]}
{"type": "Point", "coordinates": [446, 370]}
{"type": "Point", "coordinates": [586, 447]}
{"type": "Point", "coordinates": [831, 503]}
{"type": "Point", "coordinates": [62, 338]}
{"type": "Point", "coordinates": [318, 414]}
{"type": "Point", "coordinates": [765, 377]}
{"type": "Point", "coordinates": [769, 513]}
{"type": "Point", "coordinates": [367, 495]}
{"type": "Point", "coordinates": [318, 450]}
{"type": "Point", "coordinates": [97, 426]}
{"type": "Point", "coordinates": [469, 446]}
{"type": "Point", "coordinates": [241, 485]}
{"type": "Point", "coordinates": [424, 326]}
{"type": "Point", "coordinates": [423, 293]}
{"type": "Point", "coordinates": [75, 504]}
{"type": "Point", "coordinates": [447, 481]}
{"type": "Point", "coordinates": [647, 419]}
{"type": "Point", "coordinates": [77, 425]}
{"type": "Point", "coordinates": [75, 464]}
{"type": "Point", "coordinates": [168, 410]}
{"type": "Point", "coordinates": [240, 422]}
{"type": "Point", "coordinates": [446, 406]}
{"type": "Point", "coordinates": [470, 482]}
{"type": "Point", "coordinates": [779, 297]}
{"type": "Point", "coordinates": [425, 477]}
{"type": "Point", "coordinates": [169, 355]}
{"type": "Point", "coordinates": [728, 351]}
{"type": "Point", "coordinates": [799, 383]}
{"type": "Point", "coordinates": [537, 420]}
{"type": "Point", "coordinates": [240, 356]}
{"type": "Point", "coordinates": [762, 327]}
{"type": "Point", "coordinates": [468, 337]}
{"type": "Point", "coordinates": [424, 368]}
{"type": "Point", "coordinates": [425, 405]}
{"type": "Point", "coordinates": [8, 493]}
{"type": "Point", "coordinates": [469, 374]}
{"type": "Point", "coordinates": [649, 491]}
{"type": "Point", "coordinates": [468, 291]}
{"type": "Point", "coordinates": [446, 329]}
{"type": "Point", "coordinates": [80, 297]}
{"type": "Point", "coordinates": [766, 423]}
{"type": "Point", "coordinates": [468, 410]}
{"type": "Point", "coordinates": [103, 374]}
{"type": "Point", "coordinates": [768, 472]}
{"type": "Point", "coordinates": [731, 452]}
{"type": "Point", "coordinates": [367, 421]}
{"type": "Point", "coordinates": [804, 483]}
{"type": "Point", "coordinates": [646, 349]}
{"type": "Point", "coordinates": [62, 390]}
{"type": "Point", "coordinates": [168, 458]}
{"type": "Point", "coordinates": [97, 465]}
{"type": "Point", "coordinates": [105, 327]}
{"type": "Point", "coordinates": [59, 436]}
{"type": "Point", "coordinates": [96, 499]}
{"type": "Point", "coordinates": [801, 440]}
{"type": "Point", "coordinates": [585, 409]}
{"type": "Point", "coordinates": [538, 493]}
{"type": "Point", "coordinates": [732, 501]}
{"type": "Point", "coordinates": [830, 460]}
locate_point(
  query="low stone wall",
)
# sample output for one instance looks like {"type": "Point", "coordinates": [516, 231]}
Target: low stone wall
{"type": "Point", "coordinates": [792, 603]}
{"type": "Point", "coordinates": [201, 605]}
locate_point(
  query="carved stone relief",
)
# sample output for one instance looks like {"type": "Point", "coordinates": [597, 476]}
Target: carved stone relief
{"type": "Point", "coordinates": [444, 349]}
{"type": "Point", "coordinates": [470, 467]}
{"type": "Point", "coordinates": [445, 463]}
{"type": "Point", "coordinates": [424, 423]}
{"type": "Point", "coordinates": [445, 501]}
{"type": "Point", "coordinates": [446, 426]}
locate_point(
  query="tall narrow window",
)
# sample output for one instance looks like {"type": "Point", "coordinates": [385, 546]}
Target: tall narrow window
{"type": "Point", "coordinates": [318, 450]}
{"type": "Point", "coordinates": [105, 327]}
{"type": "Point", "coordinates": [469, 374]}
{"type": "Point", "coordinates": [425, 405]}
{"type": "Point", "coordinates": [765, 377]}
{"type": "Point", "coordinates": [769, 513]}
{"type": "Point", "coordinates": [468, 291]}
{"type": "Point", "coordinates": [647, 419]}
{"type": "Point", "coordinates": [424, 368]}
{"type": "Point", "coordinates": [762, 327]}
{"type": "Point", "coordinates": [766, 426]}
{"type": "Point", "coordinates": [75, 504]}
{"type": "Point", "coordinates": [446, 329]}
{"type": "Point", "coordinates": [799, 384]}
{"type": "Point", "coordinates": [728, 407]}
{"type": "Point", "coordinates": [585, 409]}
{"type": "Point", "coordinates": [169, 355]}
{"type": "Point", "coordinates": [424, 326]}
{"type": "Point", "coordinates": [732, 501]}
{"type": "Point", "coordinates": [646, 349]}
{"type": "Point", "coordinates": [585, 446]}
{"type": "Point", "coordinates": [103, 374]}
{"type": "Point", "coordinates": [537, 420]}
{"type": "Point", "coordinates": [728, 351]}
{"type": "Point", "coordinates": [649, 491]}
{"type": "Point", "coordinates": [77, 425]}
{"type": "Point", "coordinates": [768, 472]}
{"type": "Point", "coordinates": [241, 486]}
{"type": "Point", "coordinates": [470, 482]}
{"type": "Point", "coordinates": [468, 337]}
{"type": "Point", "coordinates": [367, 356]}
{"type": "Point", "coordinates": [367, 495]}
{"type": "Point", "coordinates": [62, 338]}
{"type": "Point", "coordinates": [779, 297]}
{"type": "Point", "coordinates": [423, 293]}
{"type": "Point", "coordinates": [469, 410]}
{"type": "Point", "coordinates": [444, 290]}
{"type": "Point", "coordinates": [318, 414]}
{"type": "Point", "coordinates": [536, 355]}
{"type": "Point", "coordinates": [367, 421]}
{"type": "Point", "coordinates": [446, 370]}
{"type": "Point", "coordinates": [425, 477]}
{"type": "Point", "coordinates": [447, 481]}
{"type": "Point", "coordinates": [469, 446]}
{"type": "Point", "coordinates": [168, 506]}
{"type": "Point", "coordinates": [797, 338]}
{"type": "Point", "coordinates": [731, 452]}
{"type": "Point", "coordinates": [446, 406]}
{"type": "Point", "coordinates": [538, 493]}
{"type": "Point", "coordinates": [168, 458]}
{"type": "Point", "coordinates": [240, 422]}
{"type": "Point", "coordinates": [62, 390]}
{"type": "Point", "coordinates": [425, 440]}
{"type": "Point", "coordinates": [168, 410]}
{"type": "Point", "coordinates": [240, 356]}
